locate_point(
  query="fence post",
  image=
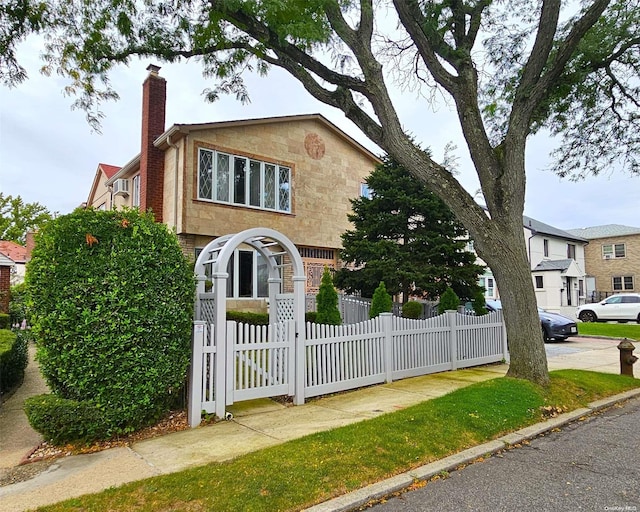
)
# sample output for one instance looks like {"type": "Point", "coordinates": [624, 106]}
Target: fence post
{"type": "Point", "coordinates": [505, 345]}
{"type": "Point", "coordinates": [453, 337]}
{"type": "Point", "coordinates": [386, 320]}
{"type": "Point", "coordinates": [231, 327]}
{"type": "Point", "coordinates": [299, 345]}
{"type": "Point", "coordinates": [194, 411]}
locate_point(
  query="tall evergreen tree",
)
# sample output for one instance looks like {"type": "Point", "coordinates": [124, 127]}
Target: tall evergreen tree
{"type": "Point", "coordinates": [407, 237]}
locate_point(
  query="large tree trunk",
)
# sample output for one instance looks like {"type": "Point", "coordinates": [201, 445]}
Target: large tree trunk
{"type": "Point", "coordinates": [507, 258]}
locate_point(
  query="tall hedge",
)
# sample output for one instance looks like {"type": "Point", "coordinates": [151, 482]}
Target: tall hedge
{"type": "Point", "coordinates": [111, 298]}
{"type": "Point", "coordinates": [13, 358]}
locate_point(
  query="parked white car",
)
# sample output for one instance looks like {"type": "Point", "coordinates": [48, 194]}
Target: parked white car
{"type": "Point", "coordinates": [624, 306]}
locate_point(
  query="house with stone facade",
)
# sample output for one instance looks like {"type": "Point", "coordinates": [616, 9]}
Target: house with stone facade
{"type": "Point", "coordinates": [612, 259]}
{"type": "Point", "coordinates": [293, 174]}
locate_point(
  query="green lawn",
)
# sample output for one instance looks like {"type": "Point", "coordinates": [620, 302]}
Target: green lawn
{"type": "Point", "coordinates": [630, 330]}
{"type": "Point", "coordinates": [299, 473]}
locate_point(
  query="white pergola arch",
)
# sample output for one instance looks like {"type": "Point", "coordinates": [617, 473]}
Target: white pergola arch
{"type": "Point", "coordinates": [270, 244]}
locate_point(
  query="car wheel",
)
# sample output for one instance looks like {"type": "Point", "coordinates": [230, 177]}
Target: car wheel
{"type": "Point", "coordinates": [545, 337]}
{"type": "Point", "coordinates": [638, 319]}
{"type": "Point", "coordinates": [587, 316]}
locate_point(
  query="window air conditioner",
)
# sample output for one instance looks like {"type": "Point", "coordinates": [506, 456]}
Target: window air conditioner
{"type": "Point", "coordinates": [607, 256]}
{"type": "Point", "coordinates": [121, 186]}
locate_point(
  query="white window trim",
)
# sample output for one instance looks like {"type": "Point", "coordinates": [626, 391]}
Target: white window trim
{"type": "Point", "coordinates": [610, 254]}
{"type": "Point", "coordinates": [135, 189]}
{"type": "Point", "coordinates": [247, 190]}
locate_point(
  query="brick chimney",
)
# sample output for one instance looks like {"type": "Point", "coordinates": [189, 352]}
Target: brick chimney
{"type": "Point", "coordinates": [154, 95]}
{"type": "Point", "coordinates": [29, 245]}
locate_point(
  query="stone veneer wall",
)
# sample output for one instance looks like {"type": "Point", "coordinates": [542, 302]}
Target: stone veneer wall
{"type": "Point", "coordinates": [604, 270]}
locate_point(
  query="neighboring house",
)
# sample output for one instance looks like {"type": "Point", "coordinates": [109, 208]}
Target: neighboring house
{"type": "Point", "coordinates": [101, 195]}
{"type": "Point", "coordinates": [18, 255]}
{"type": "Point", "coordinates": [612, 259]}
{"type": "Point", "coordinates": [557, 260]}
{"type": "Point", "coordinates": [6, 264]}
{"type": "Point", "coordinates": [486, 280]}
{"type": "Point", "coordinates": [294, 174]}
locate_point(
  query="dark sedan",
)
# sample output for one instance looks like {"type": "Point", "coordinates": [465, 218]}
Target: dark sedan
{"type": "Point", "coordinates": [554, 326]}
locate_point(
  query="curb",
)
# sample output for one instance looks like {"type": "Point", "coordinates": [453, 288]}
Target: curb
{"type": "Point", "coordinates": [378, 490]}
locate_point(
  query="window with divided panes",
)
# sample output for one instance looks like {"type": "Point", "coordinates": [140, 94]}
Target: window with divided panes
{"type": "Point", "coordinates": [234, 179]}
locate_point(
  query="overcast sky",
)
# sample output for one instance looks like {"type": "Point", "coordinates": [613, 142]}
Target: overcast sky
{"type": "Point", "coordinates": [49, 155]}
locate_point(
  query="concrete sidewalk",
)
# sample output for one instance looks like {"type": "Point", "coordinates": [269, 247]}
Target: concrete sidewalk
{"type": "Point", "coordinates": [256, 424]}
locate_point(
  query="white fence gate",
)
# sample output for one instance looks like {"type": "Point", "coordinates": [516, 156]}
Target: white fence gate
{"type": "Point", "coordinates": [253, 361]}
{"type": "Point", "coordinates": [261, 361]}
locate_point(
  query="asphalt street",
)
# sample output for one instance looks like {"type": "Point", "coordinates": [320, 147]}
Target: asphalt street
{"type": "Point", "coordinates": [591, 465]}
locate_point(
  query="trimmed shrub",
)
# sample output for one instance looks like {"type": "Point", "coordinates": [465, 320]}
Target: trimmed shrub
{"type": "Point", "coordinates": [448, 301]}
{"type": "Point", "coordinates": [63, 421]}
{"type": "Point", "coordinates": [310, 317]}
{"type": "Point", "coordinates": [5, 321]}
{"type": "Point", "coordinates": [412, 309]}
{"type": "Point", "coordinates": [381, 301]}
{"type": "Point", "coordinates": [18, 304]}
{"type": "Point", "coordinates": [14, 356]}
{"type": "Point", "coordinates": [327, 301]}
{"type": "Point", "coordinates": [248, 317]}
{"type": "Point", "coordinates": [479, 304]}
{"type": "Point", "coordinates": [112, 301]}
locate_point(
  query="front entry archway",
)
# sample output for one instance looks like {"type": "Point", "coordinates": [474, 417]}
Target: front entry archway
{"type": "Point", "coordinates": [218, 355]}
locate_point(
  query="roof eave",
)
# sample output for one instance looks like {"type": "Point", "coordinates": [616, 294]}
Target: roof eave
{"type": "Point", "coordinates": [126, 169]}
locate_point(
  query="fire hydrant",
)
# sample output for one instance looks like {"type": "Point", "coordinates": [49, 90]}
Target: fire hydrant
{"type": "Point", "coordinates": [627, 359]}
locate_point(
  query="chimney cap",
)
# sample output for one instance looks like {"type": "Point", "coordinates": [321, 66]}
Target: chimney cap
{"type": "Point", "coordinates": [153, 69]}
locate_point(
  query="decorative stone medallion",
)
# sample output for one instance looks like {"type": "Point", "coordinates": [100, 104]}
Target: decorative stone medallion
{"type": "Point", "coordinates": [314, 145]}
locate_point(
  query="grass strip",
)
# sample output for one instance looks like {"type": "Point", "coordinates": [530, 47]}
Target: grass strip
{"type": "Point", "coordinates": [631, 331]}
{"type": "Point", "coordinates": [299, 473]}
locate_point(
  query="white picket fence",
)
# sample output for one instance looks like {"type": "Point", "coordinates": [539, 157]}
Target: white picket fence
{"type": "Point", "coordinates": [389, 348]}
{"type": "Point", "coordinates": [255, 362]}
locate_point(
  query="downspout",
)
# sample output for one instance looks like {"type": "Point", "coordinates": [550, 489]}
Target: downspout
{"type": "Point", "coordinates": [175, 180]}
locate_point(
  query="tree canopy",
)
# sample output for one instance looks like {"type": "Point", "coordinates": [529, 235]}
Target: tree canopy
{"type": "Point", "coordinates": [407, 237]}
{"type": "Point", "coordinates": [18, 217]}
{"type": "Point", "coordinates": [510, 68]}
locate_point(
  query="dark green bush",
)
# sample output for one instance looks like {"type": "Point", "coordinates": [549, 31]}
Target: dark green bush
{"type": "Point", "coordinates": [327, 301]}
{"type": "Point", "coordinates": [479, 304]}
{"type": "Point", "coordinates": [381, 301]}
{"type": "Point", "coordinates": [14, 357]}
{"type": "Point", "coordinates": [310, 316]}
{"type": "Point", "coordinates": [412, 309]}
{"type": "Point", "coordinates": [5, 321]}
{"type": "Point", "coordinates": [18, 304]}
{"type": "Point", "coordinates": [112, 299]}
{"type": "Point", "coordinates": [248, 318]}
{"type": "Point", "coordinates": [63, 421]}
{"type": "Point", "coordinates": [448, 301]}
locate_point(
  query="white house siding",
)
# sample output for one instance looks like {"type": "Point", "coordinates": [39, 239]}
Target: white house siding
{"type": "Point", "coordinates": [563, 289]}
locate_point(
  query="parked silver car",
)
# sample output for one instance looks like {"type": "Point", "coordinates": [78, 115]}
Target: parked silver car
{"type": "Point", "coordinates": [623, 306]}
